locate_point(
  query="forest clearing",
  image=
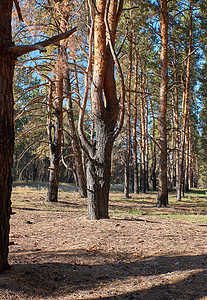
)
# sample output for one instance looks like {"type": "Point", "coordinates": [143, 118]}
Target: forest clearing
{"type": "Point", "coordinates": [141, 252]}
{"type": "Point", "coordinates": [103, 139]}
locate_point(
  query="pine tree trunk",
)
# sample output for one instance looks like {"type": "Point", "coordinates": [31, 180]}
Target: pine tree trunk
{"type": "Point", "coordinates": [55, 142]}
{"type": "Point", "coordinates": [185, 113]}
{"type": "Point", "coordinates": [187, 161]}
{"type": "Point", "coordinates": [128, 123]}
{"type": "Point", "coordinates": [126, 177]}
{"type": "Point", "coordinates": [98, 180]}
{"type": "Point", "coordinates": [135, 164]}
{"type": "Point", "coordinates": [154, 156]}
{"type": "Point", "coordinates": [191, 167]}
{"type": "Point", "coordinates": [162, 187]}
{"type": "Point", "coordinates": [81, 176]}
{"type": "Point", "coordinates": [105, 112]}
{"type": "Point", "coordinates": [142, 133]}
{"type": "Point", "coordinates": [7, 62]}
{"type": "Point", "coordinates": [196, 173]}
{"type": "Point", "coordinates": [146, 144]}
{"type": "Point", "coordinates": [177, 137]}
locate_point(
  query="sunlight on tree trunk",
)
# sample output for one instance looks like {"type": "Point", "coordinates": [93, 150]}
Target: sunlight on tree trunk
{"type": "Point", "coordinates": [55, 142]}
{"type": "Point", "coordinates": [105, 109]}
{"type": "Point", "coordinates": [162, 187]}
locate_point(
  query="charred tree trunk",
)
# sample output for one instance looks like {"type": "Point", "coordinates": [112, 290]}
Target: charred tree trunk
{"type": "Point", "coordinates": [162, 188]}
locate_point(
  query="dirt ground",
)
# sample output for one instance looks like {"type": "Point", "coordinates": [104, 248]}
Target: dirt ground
{"type": "Point", "coordinates": [141, 252]}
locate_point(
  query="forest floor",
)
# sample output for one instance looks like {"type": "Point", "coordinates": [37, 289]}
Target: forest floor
{"type": "Point", "coordinates": [141, 252]}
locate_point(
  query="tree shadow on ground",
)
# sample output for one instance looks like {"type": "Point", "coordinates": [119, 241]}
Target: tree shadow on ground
{"type": "Point", "coordinates": [181, 290]}
{"type": "Point", "coordinates": [55, 274]}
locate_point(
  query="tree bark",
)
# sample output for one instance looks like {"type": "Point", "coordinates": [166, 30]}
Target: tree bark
{"type": "Point", "coordinates": [98, 179]}
{"type": "Point", "coordinates": [55, 141]}
{"type": "Point", "coordinates": [146, 142]}
{"type": "Point", "coordinates": [81, 176]}
{"type": "Point", "coordinates": [142, 131]}
{"type": "Point", "coordinates": [105, 110]}
{"type": "Point", "coordinates": [154, 155]}
{"type": "Point", "coordinates": [99, 166]}
{"type": "Point", "coordinates": [162, 187]}
{"type": "Point", "coordinates": [176, 124]}
{"type": "Point", "coordinates": [135, 163]}
{"type": "Point", "coordinates": [55, 146]}
{"type": "Point", "coordinates": [8, 55]}
{"type": "Point", "coordinates": [7, 62]}
{"type": "Point", "coordinates": [187, 160]}
{"type": "Point", "coordinates": [185, 115]}
{"type": "Point", "coordinates": [128, 123]}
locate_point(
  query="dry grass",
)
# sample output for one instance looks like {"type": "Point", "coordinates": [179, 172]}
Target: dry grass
{"type": "Point", "coordinates": [141, 252]}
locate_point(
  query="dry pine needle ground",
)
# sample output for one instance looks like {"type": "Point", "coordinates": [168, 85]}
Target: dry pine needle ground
{"type": "Point", "coordinates": [141, 252]}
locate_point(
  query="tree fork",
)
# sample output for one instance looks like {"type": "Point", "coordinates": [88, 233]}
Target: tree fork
{"type": "Point", "coordinates": [105, 107]}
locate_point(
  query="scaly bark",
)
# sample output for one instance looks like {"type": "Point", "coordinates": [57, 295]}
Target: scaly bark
{"type": "Point", "coordinates": [7, 62]}
{"type": "Point", "coordinates": [55, 141]}
{"type": "Point", "coordinates": [153, 176]}
{"type": "Point", "coordinates": [162, 187]}
{"type": "Point", "coordinates": [176, 124]}
{"type": "Point", "coordinates": [142, 131]}
{"type": "Point", "coordinates": [105, 109]}
{"type": "Point", "coordinates": [185, 115]}
{"type": "Point", "coordinates": [8, 55]}
{"type": "Point", "coordinates": [134, 133]}
{"type": "Point", "coordinates": [128, 124]}
{"type": "Point", "coordinates": [146, 139]}
{"type": "Point", "coordinates": [80, 172]}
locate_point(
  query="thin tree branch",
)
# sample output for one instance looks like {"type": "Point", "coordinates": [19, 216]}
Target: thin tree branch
{"type": "Point", "coordinates": [120, 9]}
{"type": "Point", "coordinates": [156, 143]}
{"type": "Point", "coordinates": [30, 129]}
{"type": "Point", "coordinates": [29, 90]}
{"type": "Point", "coordinates": [24, 49]}
{"type": "Point", "coordinates": [18, 10]}
{"type": "Point", "coordinates": [179, 65]}
{"type": "Point", "coordinates": [29, 163]}
{"type": "Point", "coordinates": [28, 148]}
{"type": "Point", "coordinates": [131, 8]}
